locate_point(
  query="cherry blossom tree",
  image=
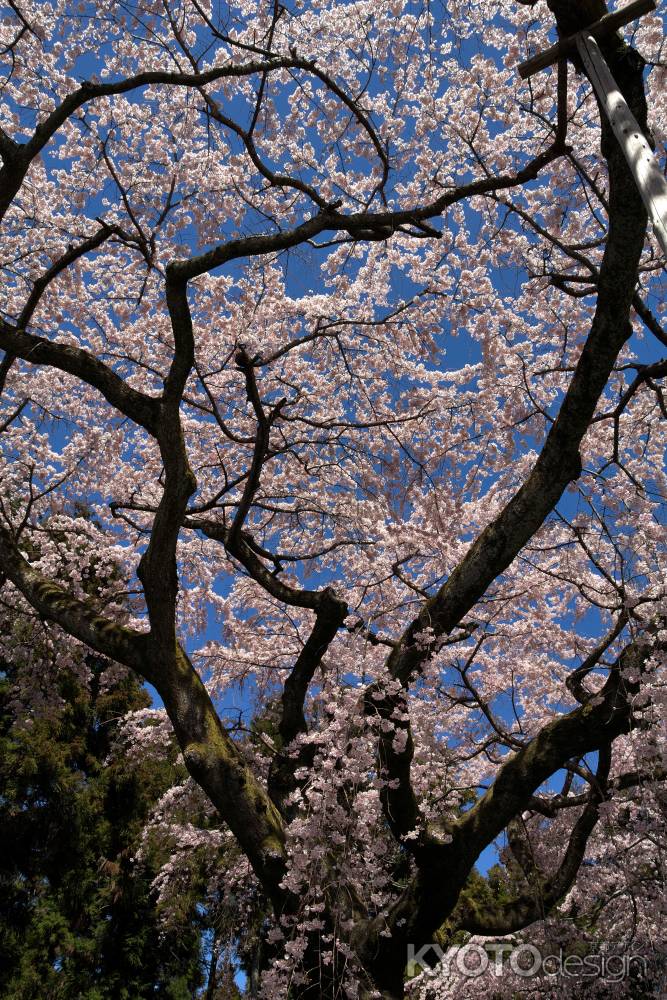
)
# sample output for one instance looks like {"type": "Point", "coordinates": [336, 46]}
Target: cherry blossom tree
{"type": "Point", "coordinates": [350, 345]}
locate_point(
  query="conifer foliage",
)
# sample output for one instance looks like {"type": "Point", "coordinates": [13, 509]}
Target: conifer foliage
{"type": "Point", "coordinates": [78, 914]}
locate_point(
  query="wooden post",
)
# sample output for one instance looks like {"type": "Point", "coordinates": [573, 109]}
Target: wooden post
{"type": "Point", "coordinates": [644, 165]}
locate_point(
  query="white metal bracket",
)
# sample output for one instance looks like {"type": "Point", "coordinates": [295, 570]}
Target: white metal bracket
{"type": "Point", "coordinates": [644, 165]}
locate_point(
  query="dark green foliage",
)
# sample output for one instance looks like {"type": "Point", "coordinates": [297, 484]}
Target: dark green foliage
{"type": "Point", "coordinates": [77, 915]}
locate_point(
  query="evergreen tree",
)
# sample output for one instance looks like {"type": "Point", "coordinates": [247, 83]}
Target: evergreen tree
{"type": "Point", "coordinates": [78, 918]}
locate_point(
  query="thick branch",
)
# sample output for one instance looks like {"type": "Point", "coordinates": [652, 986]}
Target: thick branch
{"type": "Point", "coordinates": [360, 225]}
{"type": "Point", "coordinates": [71, 255]}
{"type": "Point", "coordinates": [242, 549]}
{"type": "Point", "coordinates": [394, 760]}
{"type": "Point", "coordinates": [559, 462]}
{"type": "Point", "coordinates": [579, 732]}
{"type": "Point", "coordinates": [157, 568]}
{"type": "Point", "coordinates": [331, 614]}
{"type": "Point", "coordinates": [575, 681]}
{"type": "Point", "coordinates": [432, 896]}
{"type": "Point", "coordinates": [209, 753]}
{"type": "Point", "coordinates": [551, 806]}
{"type": "Point", "coordinates": [262, 438]}
{"type": "Point", "coordinates": [78, 618]}
{"type": "Point", "coordinates": [20, 156]}
{"type": "Point", "coordinates": [543, 895]}
{"type": "Point", "coordinates": [136, 405]}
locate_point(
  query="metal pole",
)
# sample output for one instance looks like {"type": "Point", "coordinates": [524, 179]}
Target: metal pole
{"type": "Point", "coordinates": [641, 160]}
